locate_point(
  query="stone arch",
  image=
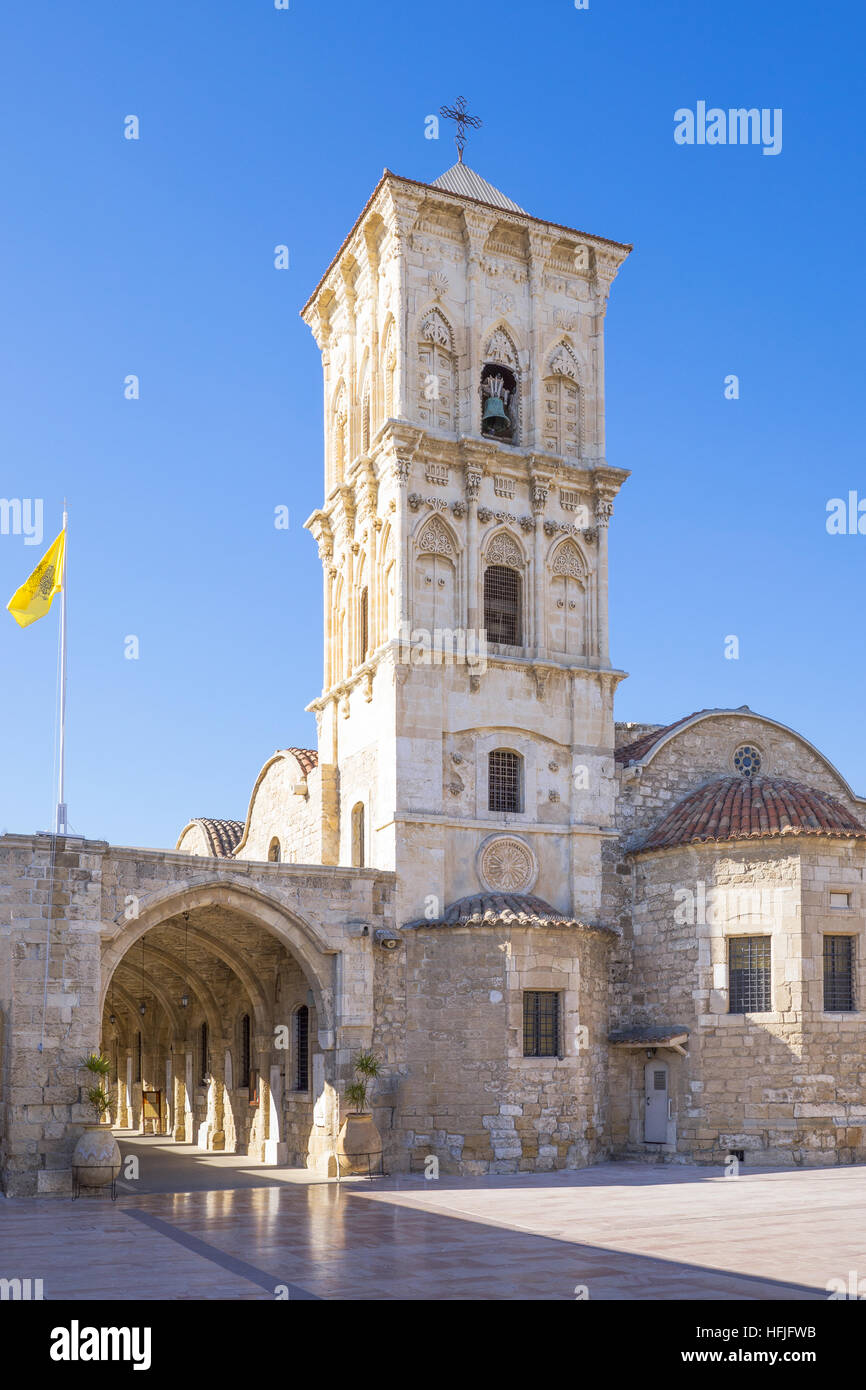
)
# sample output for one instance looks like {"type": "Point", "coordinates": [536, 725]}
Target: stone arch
{"type": "Point", "coordinates": [563, 425]}
{"type": "Point", "coordinates": [501, 547]}
{"type": "Point", "coordinates": [504, 588]}
{"type": "Point", "coordinates": [567, 599]}
{"type": "Point", "coordinates": [501, 351]}
{"type": "Point", "coordinates": [299, 937]}
{"type": "Point", "coordinates": [437, 393]}
{"type": "Point", "coordinates": [435, 576]}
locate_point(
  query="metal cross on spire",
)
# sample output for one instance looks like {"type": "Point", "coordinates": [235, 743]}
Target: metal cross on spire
{"type": "Point", "coordinates": [459, 114]}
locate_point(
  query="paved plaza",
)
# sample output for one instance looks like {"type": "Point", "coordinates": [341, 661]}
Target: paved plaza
{"type": "Point", "coordinates": [205, 1226]}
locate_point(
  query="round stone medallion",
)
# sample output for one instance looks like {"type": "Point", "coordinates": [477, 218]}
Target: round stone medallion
{"type": "Point", "coordinates": [507, 865]}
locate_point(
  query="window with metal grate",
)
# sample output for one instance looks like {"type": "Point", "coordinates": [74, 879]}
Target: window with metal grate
{"type": "Point", "coordinates": [504, 790]}
{"type": "Point", "coordinates": [540, 1023]}
{"type": "Point", "coordinates": [502, 605]}
{"type": "Point", "coordinates": [749, 976]}
{"type": "Point", "coordinates": [302, 1049]}
{"type": "Point", "coordinates": [839, 974]}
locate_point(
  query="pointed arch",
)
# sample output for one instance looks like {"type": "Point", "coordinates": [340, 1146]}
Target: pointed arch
{"type": "Point", "coordinates": [562, 402]}
{"type": "Point", "coordinates": [436, 536]}
{"type": "Point", "coordinates": [436, 371]}
{"type": "Point", "coordinates": [567, 599]}
{"type": "Point", "coordinates": [501, 378]}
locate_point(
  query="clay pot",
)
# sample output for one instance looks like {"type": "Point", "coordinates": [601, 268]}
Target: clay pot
{"type": "Point", "coordinates": [359, 1145]}
{"type": "Point", "coordinates": [96, 1157]}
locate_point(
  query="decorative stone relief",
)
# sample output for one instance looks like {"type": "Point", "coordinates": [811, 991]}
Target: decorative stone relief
{"type": "Point", "coordinates": [501, 349]}
{"type": "Point", "coordinates": [438, 282]}
{"type": "Point", "coordinates": [503, 550]}
{"type": "Point", "coordinates": [568, 561]}
{"type": "Point", "coordinates": [434, 329]}
{"type": "Point", "coordinates": [435, 539]}
{"type": "Point", "coordinates": [506, 865]}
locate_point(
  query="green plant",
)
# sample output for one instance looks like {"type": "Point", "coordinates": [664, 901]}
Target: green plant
{"type": "Point", "coordinates": [97, 1096]}
{"type": "Point", "coordinates": [366, 1067]}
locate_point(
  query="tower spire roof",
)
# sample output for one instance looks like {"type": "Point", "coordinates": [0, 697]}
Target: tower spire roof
{"type": "Point", "coordinates": [463, 180]}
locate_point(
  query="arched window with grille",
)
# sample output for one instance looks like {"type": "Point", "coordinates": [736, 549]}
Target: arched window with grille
{"type": "Point", "coordinates": [503, 605]}
{"type": "Point", "coordinates": [504, 781]}
{"type": "Point", "coordinates": [274, 852]}
{"type": "Point", "coordinates": [246, 1050]}
{"type": "Point", "coordinates": [302, 1049]}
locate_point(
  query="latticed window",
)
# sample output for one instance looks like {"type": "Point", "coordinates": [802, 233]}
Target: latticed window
{"type": "Point", "coordinates": [245, 1051]}
{"type": "Point", "coordinates": [749, 975]}
{"type": "Point", "coordinates": [302, 1049]}
{"type": "Point", "coordinates": [839, 974]}
{"type": "Point", "coordinates": [504, 792]}
{"type": "Point", "coordinates": [747, 760]}
{"type": "Point", "coordinates": [502, 605]}
{"type": "Point", "coordinates": [540, 1023]}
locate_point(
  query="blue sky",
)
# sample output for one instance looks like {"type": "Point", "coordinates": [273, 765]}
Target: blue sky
{"type": "Point", "coordinates": [155, 257]}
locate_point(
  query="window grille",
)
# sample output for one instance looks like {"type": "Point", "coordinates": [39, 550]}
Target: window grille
{"type": "Point", "coordinates": [245, 1051]}
{"type": "Point", "coordinates": [749, 975]}
{"type": "Point", "coordinates": [540, 1023]}
{"type": "Point", "coordinates": [503, 781]}
{"type": "Point", "coordinates": [302, 1049]}
{"type": "Point", "coordinates": [839, 974]}
{"type": "Point", "coordinates": [502, 605]}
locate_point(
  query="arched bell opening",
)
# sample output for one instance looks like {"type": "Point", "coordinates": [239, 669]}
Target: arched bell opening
{"type": "Point", "coordinates": [499, 403]}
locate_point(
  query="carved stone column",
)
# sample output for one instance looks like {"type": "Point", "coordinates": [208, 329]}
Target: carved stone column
{"type": "Point", "coordinates": [473, 487]}
{"type": "Point", "coordinates": [402, 469]}
{"type": "Point", "coordinates": [603, 514]}
{"type": "Point", "coordinates": [540, 492]}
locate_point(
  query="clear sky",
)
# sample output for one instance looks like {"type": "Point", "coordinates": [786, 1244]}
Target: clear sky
{"type": "Point", "coordinates": [261, 126]}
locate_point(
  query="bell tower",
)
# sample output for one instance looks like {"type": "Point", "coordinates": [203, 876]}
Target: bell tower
{"type": "Point", "coordinates": [466, 716]}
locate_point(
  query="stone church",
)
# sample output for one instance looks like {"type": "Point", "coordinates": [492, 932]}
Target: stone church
{"type": "Point", "coordinates": [566, 939]}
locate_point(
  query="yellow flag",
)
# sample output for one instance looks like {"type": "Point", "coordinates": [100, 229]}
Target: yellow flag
{"type": "Point", "coordinates": [33, 599]}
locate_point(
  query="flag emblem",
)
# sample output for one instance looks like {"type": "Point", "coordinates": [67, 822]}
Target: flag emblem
{"type": "Point", "coordinates": [33, 600]}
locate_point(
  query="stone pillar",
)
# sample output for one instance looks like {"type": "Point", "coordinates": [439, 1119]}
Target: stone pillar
{"type": "Point", "coordinates": [473, 487]}
{"type": "Point", "coordinates": [539, 502]}
{"type": "Point", "coordinates": [603, 513]}
{"type": "Point", "coordinates": [181, 1099]}
{"type": "Point", "coordinates": [216, 1138]}
{"type": "Point", "coordinates": [401, 580]}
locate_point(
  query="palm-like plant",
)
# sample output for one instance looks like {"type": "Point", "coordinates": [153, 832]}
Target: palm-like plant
{"type": "Point", "coordinates": [97, 1096]}
{"type": "Point", "coordinates": [366, 1067]}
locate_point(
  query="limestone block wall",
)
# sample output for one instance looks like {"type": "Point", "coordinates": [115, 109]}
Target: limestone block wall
{"type": "Point", "coordinates": [286, 806]}
{"type": "Point", "coordinates": [786, 1085]}
{"type": "Point", "coordinates": [470, 1098]}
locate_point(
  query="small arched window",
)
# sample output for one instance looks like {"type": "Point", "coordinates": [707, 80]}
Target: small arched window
{"type": "Point", "coordinates": [302, 1048]}
{"type": "Point", "coordinates": [363, 626]}
{"type": "Point", "coordinates": [503, 605]}
{"type": "Point", "coordinates": [499, 403]}
{"type": "Point", "coordinates": [358, 836]}
{"type": "Point", "coordinates": [246, 1040]}
{"type": "Point", "coordinates": [274, 852]}
{"type": "Point", "coordinates": [504, 780]}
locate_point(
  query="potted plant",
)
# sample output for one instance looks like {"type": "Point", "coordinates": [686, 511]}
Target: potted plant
{"type": "Point", "coordinates": [359, 1141]}
{"type": "Point", "coordinates": [96, 1157]}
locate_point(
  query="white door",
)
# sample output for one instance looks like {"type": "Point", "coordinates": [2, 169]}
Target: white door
{"type": "Point", "coordinates": [655, 1130]}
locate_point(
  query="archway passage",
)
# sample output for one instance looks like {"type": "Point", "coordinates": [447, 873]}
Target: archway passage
{"type": "Point", "coordinates": [212, 1025]}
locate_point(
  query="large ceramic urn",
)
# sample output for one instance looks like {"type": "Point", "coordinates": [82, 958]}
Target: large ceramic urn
{"type": "Point", "coordinates": [96, 1157]}
{"type": "Point", "coordinates": [359, 1145]}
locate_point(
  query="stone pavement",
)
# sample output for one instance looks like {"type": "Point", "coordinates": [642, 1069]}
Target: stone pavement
{"type": "Point", "coordinates": [622, 1231]}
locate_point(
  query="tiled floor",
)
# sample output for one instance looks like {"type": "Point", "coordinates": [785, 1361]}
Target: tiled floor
{"type": "Point", "coordinates": [621, 1231]}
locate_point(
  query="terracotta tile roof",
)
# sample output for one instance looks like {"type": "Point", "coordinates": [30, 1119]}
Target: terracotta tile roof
{"type": "Point", "coordinates": [633, 752]}
{"type": "Point", "coordinates": [307, 757]}
{"type": "Point", "coordinates": [503, 909]}
{"type": "Point", "coordinates": [742, 808]}
{"type": "Point", "coordinates": [223, 836]}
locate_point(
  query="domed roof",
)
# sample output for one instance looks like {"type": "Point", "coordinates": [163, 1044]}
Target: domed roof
{"type": "Point", "coordinates": [744, 808]}
{"type": "Point", "coordinates": [223, 836]}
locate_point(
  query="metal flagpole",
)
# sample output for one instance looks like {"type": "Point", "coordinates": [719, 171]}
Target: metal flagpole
{"type": "Point", "coordinates": [60, 827]}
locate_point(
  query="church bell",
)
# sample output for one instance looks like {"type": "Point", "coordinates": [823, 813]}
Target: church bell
{"type": "Point", "coordinates": [494, 419]}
